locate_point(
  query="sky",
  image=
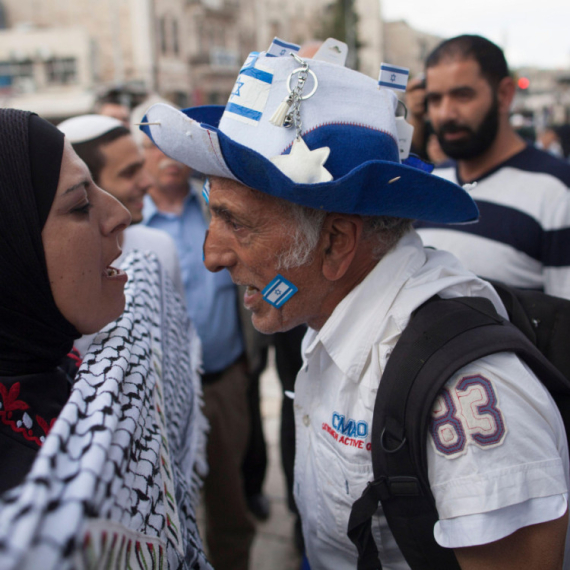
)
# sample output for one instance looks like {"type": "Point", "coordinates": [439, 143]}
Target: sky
{"type": "Point", "coordinates": [532, 32]}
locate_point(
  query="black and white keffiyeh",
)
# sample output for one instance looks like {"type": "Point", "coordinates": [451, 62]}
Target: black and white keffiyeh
{"type": "Point", "coordinates": [117, 479]}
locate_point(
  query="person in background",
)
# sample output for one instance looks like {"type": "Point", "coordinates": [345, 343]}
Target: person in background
{"type": "Point", "coordinates": [549, 141]}
{"type": "Point", "coordinates": [110, 106]}
{"type": "Point", "coordinates": [415, 101]}
{"type": "Point", "coordinates": [230, 354]}
{"type": "Point", "coordinates": [523, 235]}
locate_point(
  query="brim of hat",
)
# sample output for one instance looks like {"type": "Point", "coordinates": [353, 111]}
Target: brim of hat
{"type": "Point", "coordinates": [376, 187]}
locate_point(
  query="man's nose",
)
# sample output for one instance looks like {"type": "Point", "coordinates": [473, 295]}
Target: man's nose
{"type": "Point", "coordinates": [145, 180]}
{"type": "Point", "coordinates": [446, 110]}
{"type": "Point", "coordinates": [217, 254]}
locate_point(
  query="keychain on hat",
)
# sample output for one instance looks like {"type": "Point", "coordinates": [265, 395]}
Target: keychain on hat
{"type": "Point", "coordinates": [301, 165]}
{"type": "Point", "coordinates": [290, 107]}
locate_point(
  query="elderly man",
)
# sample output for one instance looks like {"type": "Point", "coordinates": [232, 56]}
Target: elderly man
{"type": "Point", "coordinates": [316, 222]}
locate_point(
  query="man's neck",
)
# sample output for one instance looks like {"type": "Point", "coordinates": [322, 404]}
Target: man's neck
{"type": "Point", "coordinates": [171, 200]}
{"type": "Point", "coordinates": [506, 144]}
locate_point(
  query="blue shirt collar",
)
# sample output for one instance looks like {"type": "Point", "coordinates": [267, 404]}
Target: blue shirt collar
{"type": "Point", "coordinates": [150, 210]}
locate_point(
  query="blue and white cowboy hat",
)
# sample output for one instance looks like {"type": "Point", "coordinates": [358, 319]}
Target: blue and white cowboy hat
{"type": "Point", "coordinates": [347, 113]}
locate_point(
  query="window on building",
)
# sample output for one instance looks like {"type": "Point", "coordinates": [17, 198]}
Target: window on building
{"type": "Point", "coordinates": [181, 99]}
{"type": "Point", "coordinates": [162, 34]}
{"type": "Point", "coordinates": [215, 98]}
{"type": "Point", "coordinates": [175, 44]}
{"type": "Point", "coordinates": [19, 74]}
{"type": "Point", "coordinates": [61, 70]}
{"type": "Point", "coordinates": [5, 74]}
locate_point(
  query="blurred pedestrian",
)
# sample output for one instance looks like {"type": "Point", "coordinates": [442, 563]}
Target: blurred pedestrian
{"type": "Point", "coordinates": [110, 106]}
{"type": "Point", "coordinates": [231, 351]}
{"type": "Point", "coordinates": [523, 235]}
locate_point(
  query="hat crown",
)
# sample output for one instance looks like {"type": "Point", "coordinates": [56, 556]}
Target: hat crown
{"type": "Point", "coordinates": [342, 97]}
{"type": "Point", "coordinates": [344, 157]}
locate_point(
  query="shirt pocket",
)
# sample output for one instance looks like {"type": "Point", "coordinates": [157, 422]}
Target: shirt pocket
{"type": "Point", "coordinates": [342, 482]}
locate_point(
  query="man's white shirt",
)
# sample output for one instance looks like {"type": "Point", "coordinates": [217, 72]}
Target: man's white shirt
{"type": "Point", "coordinates": [519, 476]}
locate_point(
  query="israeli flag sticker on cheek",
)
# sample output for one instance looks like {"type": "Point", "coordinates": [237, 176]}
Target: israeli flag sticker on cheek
{"type": "Point", "coordinates": [206, 190]}
{"type": "Point", "coordinates": [278, 291]}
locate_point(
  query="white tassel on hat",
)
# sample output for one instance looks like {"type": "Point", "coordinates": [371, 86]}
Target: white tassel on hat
{"type": "Point", "coordinates": [278, 118]}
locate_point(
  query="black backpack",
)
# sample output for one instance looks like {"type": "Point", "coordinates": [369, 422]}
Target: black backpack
{"type": "Point", "coordinates": [442, 337]}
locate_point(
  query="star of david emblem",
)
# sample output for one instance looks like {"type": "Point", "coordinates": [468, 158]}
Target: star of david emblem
{"type": "Point", "coordinates": [393, 77]}
{"type": "Point", "coordinates": [302, 165]}
{"type": "Point", "coordinates": [238, 86]}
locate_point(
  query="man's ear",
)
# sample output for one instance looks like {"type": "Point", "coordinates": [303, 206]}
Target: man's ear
{"type": "Point", "coordinates": [505, 94]}
{"type": "Point", "coordinates": [341, 237]}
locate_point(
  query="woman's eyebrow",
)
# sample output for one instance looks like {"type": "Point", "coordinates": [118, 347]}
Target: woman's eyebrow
{"type": "Point", "coordinates": [83, 184]}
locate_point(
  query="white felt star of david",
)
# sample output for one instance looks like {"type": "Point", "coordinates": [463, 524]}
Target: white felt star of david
{"type": "Point", "coordinates": [302, 165]}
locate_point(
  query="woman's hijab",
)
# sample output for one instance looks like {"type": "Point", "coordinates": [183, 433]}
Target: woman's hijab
{"type": "Point", "coordinates": [34, 335]}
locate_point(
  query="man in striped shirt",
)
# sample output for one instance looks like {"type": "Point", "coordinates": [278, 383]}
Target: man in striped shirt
{"type": "Point", "coordinates": [523, 235]}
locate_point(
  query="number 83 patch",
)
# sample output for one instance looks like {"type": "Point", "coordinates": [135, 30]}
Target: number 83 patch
{"type": "Point", "coordinates": [467, 413]}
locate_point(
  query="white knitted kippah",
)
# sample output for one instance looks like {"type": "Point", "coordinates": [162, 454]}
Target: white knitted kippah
{"type": "Point", "coordinates": [87, 127]}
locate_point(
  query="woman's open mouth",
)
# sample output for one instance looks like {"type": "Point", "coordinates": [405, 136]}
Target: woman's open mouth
{"type": "Point", "coordinates": [115, 273]}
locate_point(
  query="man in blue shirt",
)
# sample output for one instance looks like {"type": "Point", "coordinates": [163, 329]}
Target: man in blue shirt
{"type": "Point", "coordinates": [174, 205]}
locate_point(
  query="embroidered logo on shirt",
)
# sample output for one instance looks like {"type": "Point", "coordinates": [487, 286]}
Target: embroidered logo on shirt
{"type": "Point", "coordinates": [467, 414]}
{"type": "Point", "coordinates": [349, 432]}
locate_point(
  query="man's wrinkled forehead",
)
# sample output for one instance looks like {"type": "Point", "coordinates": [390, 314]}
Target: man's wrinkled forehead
{"type": "Point", "coordinates": [259, 207]}
{"type": "Point", "coordinates": [226, 185]}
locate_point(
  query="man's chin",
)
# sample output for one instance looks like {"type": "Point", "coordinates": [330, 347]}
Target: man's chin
{"type": "Point", "coordinates": [461, 148]}
{"type": "Point", "coordinates": [263, 325]}
{"type": "Point", "coordinates": [269, 323]}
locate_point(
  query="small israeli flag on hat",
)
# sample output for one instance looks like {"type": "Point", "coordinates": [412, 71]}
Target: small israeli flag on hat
{"type": "Point", "coordinates": [393, 76]}
{"type": "Point", "coordinates": [278, 291]}
{"type": "Point", "coordinates": [249, 95]}
{"type": "Point", "coordinates": [279, 48]}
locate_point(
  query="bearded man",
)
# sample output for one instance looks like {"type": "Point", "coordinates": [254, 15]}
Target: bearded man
{"type": "Point", "coordinates": [523, 236]}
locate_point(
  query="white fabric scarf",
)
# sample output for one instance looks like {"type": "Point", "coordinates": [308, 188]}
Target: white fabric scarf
{"type": "Point", "coordinates": [117, 479]}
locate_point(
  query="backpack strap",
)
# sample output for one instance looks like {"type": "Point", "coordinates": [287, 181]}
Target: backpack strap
{"type": "Point", "coordinates": [441, 338]}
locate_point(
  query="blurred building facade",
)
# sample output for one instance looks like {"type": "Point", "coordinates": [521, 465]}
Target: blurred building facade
{"type": "Point", "coordinates": [545, 98]}
{"type": "Point", "coordinates": [408, 47]}
{"type": "Point", "coordinates": [56, 56]}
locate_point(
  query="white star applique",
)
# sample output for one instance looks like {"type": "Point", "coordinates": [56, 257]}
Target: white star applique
{"type": "Point", "coordinates": [302, 165]}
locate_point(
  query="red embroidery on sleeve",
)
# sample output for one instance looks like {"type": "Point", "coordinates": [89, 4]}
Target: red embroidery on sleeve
{"type": "Point", "coordinates": [13, 414]}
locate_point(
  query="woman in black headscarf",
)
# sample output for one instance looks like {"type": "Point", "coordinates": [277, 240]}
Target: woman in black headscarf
{"type": "Point", "coordinates": [58, 238]}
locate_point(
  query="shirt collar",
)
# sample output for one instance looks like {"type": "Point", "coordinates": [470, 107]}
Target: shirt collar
{"type": "Point", "coordinates": [353, 327]}
{"type": "Point", "coordinates": [150, 210]}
